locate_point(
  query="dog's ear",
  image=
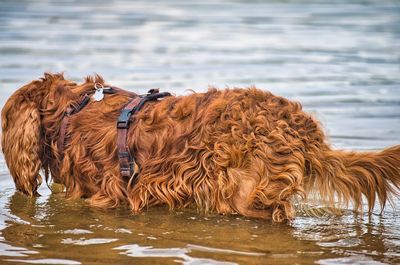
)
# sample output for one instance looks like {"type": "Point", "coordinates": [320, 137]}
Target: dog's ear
{"type": "Point", "coordinates": [20, 144]}
{"type": "Point", "coordinates": [21, 133]}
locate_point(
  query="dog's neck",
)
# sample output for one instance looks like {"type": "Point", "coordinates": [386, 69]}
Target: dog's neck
{"type": "Point", "coordinates": [53, 108]}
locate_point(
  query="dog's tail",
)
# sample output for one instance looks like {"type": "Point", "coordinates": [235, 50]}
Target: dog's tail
{"type": "Point", "coordinates": [344, 177]}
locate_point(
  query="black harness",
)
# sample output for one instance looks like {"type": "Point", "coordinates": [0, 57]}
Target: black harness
{"type": "Point", "coordinates": [126, 159]}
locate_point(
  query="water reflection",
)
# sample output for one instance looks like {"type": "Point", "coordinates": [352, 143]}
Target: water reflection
{"type": "Point", "coordinates": [50, 229]}
{"type": "Point", "coordinates": [179, 253]}
{"type": "Point", "coordinates": [364, 238]}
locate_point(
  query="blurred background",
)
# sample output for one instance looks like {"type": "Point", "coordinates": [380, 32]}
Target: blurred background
{"type": "Point", "coordinates": [340, 59]}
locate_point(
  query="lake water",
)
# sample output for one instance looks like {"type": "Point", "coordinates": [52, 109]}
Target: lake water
{"type": "Point", "coordinates": [341, 60]}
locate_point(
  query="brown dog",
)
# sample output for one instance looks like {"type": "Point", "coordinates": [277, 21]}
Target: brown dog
{"type": "Point", "coordinates": [232, 151]}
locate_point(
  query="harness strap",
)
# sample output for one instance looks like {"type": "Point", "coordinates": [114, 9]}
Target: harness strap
{"type": "Point", "coordinates": [114, 90]}
{"type": "Point", "coordinates": [65, 121]}
{"type": "Point", "coordinates": [126, 160]}
{"type": "Point", "coordinates": [75, 108]}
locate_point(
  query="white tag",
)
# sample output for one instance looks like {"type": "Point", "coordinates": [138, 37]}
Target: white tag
{"type": "Point", "coordinates": [98, 95]}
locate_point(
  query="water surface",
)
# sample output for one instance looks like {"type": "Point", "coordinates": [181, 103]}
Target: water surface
{"type": "Point", "coordinates": [341, 60]}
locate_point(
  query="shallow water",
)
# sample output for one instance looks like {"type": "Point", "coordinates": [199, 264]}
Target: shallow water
{"type": "Point", "coordinates": [341, 60]}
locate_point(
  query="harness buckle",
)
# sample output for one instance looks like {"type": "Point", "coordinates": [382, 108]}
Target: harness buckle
{"type": "Point", "coordinates": [153, 91]}
{"type": "Point", "coordinates": [123, 119]}
{"type": "Point", "coordinates": [124, 154]}
{"type": "Point", "coordinates": [122, 124]}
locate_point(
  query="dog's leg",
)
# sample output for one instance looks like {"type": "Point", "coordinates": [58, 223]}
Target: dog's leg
{"type": "Point", "coordinates": [243, 202]}
{"type": "Point", "coordinates": [264, 190]}
{"type": "Point", "coordinates": [242, 199]}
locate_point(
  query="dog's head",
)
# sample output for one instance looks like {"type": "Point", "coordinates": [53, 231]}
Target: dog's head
{"type": "Point", "coordinates": [26, 129]}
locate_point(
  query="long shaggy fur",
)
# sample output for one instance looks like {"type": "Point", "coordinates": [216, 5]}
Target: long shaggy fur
{"type": "Point", "coordinates": [228, 151]}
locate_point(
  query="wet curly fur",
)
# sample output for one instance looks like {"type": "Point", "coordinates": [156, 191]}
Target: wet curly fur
{"type": "Point", "coordinates": [228, 151]}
